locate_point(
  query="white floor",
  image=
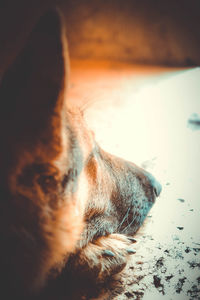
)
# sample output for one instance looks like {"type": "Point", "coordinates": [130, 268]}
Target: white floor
{"type": "Point", "coordinates": [142, 114]}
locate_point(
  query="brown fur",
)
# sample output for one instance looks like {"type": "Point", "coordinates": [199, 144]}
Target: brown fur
{"type": "Point", "coordinates": [64, 201]}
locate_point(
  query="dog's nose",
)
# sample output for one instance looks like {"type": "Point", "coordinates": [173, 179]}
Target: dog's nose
{"type": "Point", "coordinates": [154, 183]}
{"type": "Point", "coordinates": [157, 187]}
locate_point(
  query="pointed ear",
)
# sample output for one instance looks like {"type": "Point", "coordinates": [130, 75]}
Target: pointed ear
{"type": "Point", "coordinates": [32, 90]}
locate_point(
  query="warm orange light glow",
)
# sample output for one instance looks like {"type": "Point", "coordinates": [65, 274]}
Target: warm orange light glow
{"type": "Point", "coordinates": [103, 80]}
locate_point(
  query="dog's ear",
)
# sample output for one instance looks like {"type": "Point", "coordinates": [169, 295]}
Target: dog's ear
{"type": "Point", "coordinates": [32, 90]}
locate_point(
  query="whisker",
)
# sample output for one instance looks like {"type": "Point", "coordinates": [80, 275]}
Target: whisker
{"type": "Point", "coordinates": [124, 218]}
{"type": "Point", "coordinates": [128, 225]}
{"type": "Point", "coordinates": [90, 100]}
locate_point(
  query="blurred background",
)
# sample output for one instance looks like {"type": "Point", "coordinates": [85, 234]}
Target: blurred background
{"type": "Point", "coordinates": [146, 31]}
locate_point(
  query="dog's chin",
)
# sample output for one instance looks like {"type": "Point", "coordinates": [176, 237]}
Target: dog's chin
{"type": "Point", "coordinates": [131, 217]}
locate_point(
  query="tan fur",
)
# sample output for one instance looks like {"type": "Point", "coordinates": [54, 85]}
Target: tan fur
{"type": "Point", "coordinates": [65, 203]}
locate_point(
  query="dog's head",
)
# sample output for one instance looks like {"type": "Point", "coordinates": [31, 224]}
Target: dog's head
{"type": "Point", "coordinates": [53, 176]}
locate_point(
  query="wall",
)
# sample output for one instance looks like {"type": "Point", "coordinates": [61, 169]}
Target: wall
{"type": "Point", "coordinates": [146, 31]}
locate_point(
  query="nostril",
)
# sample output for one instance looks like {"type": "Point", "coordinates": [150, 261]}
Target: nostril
{"type": "Point", "coordinates": [157, 188]}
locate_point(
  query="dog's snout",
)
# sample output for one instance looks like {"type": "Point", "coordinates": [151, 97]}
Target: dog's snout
{"type": "Point", "coordinates": [157, 187]}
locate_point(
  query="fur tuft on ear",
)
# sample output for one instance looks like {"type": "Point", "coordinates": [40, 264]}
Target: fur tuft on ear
{"type": "Point", "coordinates": [32, 90]}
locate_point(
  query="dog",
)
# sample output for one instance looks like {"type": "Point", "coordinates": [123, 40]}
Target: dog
{"type": "Point", "coordinates": [65, 203]}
